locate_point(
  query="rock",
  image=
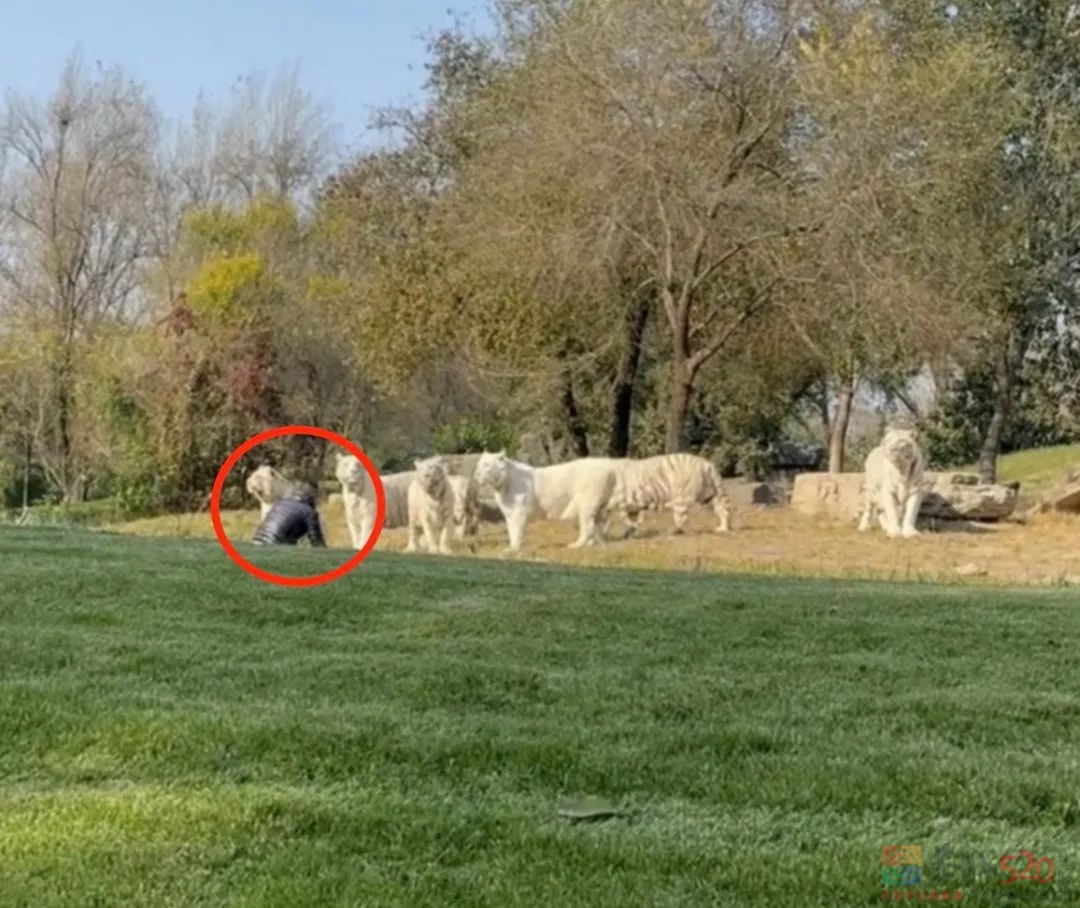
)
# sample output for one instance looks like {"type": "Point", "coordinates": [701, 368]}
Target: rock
{"type": "Point", "coordinates": [836, 495]}
{"type": "Point", "coordinates": [950, 496]}
{"type": "Point", "coordinates": [971, 570]}
{"type": "Point", "coordinates": [955, 479]}
{"type": "Point", "coordinates": [1065, 495]}
{"type": "Point", "coordinates": [334, 498]}
{"type": "Point", "coordinates": [589, 809]}
{"type": "Point", "coordinates": [744, 493]}
{"type": "Point", "coordinates": [540, 449]}
{"type": "Point", "coordinates": [461, 464]}
{"type": "Point", "coordinates": [961, 496]}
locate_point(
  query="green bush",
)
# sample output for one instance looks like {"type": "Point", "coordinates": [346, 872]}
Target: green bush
{"type": "Point", "coordinates": [472, 436]}
{"type": "Point", "coordinates": [138, 496]}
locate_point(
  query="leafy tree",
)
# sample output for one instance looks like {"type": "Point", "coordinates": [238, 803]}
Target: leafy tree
{"type": "Point", "coordinates": [901, 132]}
{"type": "Point", "coordinates": [1034, 194]}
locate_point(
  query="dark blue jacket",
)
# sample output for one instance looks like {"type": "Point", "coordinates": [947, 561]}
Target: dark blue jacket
{"type": "Point", "coordinates": [288, 521]}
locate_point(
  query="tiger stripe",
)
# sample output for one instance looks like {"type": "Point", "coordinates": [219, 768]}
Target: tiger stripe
{"type": "Point", "coordinates": [669, 481]}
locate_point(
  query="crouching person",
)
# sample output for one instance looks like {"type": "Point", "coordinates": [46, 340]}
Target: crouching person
{"type": "Point", "coordinates": [290, 519]}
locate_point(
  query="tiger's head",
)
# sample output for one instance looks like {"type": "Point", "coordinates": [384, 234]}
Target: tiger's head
{"type": "Point", "coordinates": [266, 484]}
{"type": "Point", "coordinates": [351, 473]}
{"type": "Point", "coordinates": [493, 470]}
{"type": "Point", "coordinates": [431, 474]}
{"type": "Point", "coordinates": [901, 448]}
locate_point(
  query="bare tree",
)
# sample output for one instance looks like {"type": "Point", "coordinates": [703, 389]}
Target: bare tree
{"type": "Point", "coordinates": [274, 138]}
{"type": "Point", "coordinates": [73, 209]}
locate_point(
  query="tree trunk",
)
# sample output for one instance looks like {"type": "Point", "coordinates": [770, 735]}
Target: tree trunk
{"type": "Point", "coordinates": [678, 407]}
{"type": "Point", "coordinates": [821, 403]}
{"type": "Point", "coordinates": [63, 423]}
{"type": "Point", "coordinates": [626, 378]}
{"type": "Point", "coordinates": [1004, 380]}
{"type": "Point", "coordinates": [575, 425]}
{"type": "Point", "coordinates": [838, 433]}
{"type": "Point", "coordinates": [27, 466]}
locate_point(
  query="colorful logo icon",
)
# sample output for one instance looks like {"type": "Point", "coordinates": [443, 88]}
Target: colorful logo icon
{"type": "Point", "coordinates": [901, 865]}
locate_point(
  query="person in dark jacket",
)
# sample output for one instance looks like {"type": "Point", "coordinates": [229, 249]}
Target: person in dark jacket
{"type": "Point", "coordinates": [290, 519]}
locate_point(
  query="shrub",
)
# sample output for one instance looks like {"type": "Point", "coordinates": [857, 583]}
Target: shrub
{"type": "Point", "coordinates": [472, 436]}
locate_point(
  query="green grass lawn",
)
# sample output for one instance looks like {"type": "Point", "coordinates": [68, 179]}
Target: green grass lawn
{"type": "Point", "coordinates": [1039, 468]}
{"type": "Point", "coordinates": [175, 733]}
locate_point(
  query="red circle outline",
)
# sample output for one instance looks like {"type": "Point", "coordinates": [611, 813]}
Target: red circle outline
{"type": "Point", "coordinates": [282, 579]}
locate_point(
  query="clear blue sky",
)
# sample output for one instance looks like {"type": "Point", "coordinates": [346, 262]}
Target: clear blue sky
{"type": "Point", "coordinates": [353, 55]}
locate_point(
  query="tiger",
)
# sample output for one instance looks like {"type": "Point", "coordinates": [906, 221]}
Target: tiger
{"type": "Point", "coordinates": [576, 490]}
{"type": "Point", "coordinates": [466, 505]}
{"type": "Point", "coordinates": [676, 481]}
{"type": "Point", "coordinates": [431, 507]}
{"type": "Point", "coordinates": [358, 497]}
{"type": "Point", "coordinates": [267, 485]}
{"type": "Point", "coordinates": [894, 484]}
{"type": "Point", "coordinates": [396, 491]}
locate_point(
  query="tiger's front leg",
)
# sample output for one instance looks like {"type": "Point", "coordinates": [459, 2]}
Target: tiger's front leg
{"type": "Point", "coordinates": [911, 513]}
{"type": "Point", "coordinates": [429, 533]}
{"type": "Point", "coordinates": [631, 518]}
{"type": "Point", "coordinates": [444, 540]}
{"type": "Point", "coordinates": [516, 518]}
{"type": "Point", "coordinates": [869, 510]}
{"type": "Point", "coordinates": [890, 515]}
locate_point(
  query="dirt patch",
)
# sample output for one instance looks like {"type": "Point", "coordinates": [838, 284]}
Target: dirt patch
{"type": "Point", "coordinates": [763, 540]}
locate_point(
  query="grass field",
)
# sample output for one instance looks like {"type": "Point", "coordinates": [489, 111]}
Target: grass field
{"type": "Point", "coordinates": [177, 734]}
{"type": "Point", "coordinates": [1038, 469]}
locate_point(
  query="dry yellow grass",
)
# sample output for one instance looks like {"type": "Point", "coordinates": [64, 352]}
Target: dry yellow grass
{"type": "Point", "coordinates": [764, 540]}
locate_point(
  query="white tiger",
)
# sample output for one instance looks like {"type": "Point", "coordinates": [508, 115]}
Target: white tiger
{"type": "Point", "coordinates": [676, 481]}
{"type": "Point", "coordinates": [579, 489]}
{"type": "Point", "coordinates": [358, 496]}
{"type": "Point", "coordinates": [267, 485]}
{"type": "Point", "coordinates": [396, 492]}
{"type": "Point", "coordinates": [466, 512]}
{"type": "Point", "coordinates": [431, 507]}
{"type": "Point", "coordinates": [458, 467]}
{"type": "Point", "coordinates": [893, 484]}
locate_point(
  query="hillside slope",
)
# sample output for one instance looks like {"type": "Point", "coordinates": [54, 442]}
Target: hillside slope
{"type": "Point", "coordinates": [1038, 469]}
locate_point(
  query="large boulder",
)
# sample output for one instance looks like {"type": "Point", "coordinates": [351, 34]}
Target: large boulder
{"type": "Point", "coordinates": [837, 495]}
{"type": "Point", "coordinates": [461, 464]}
{"type": "Point", "coordinates": [744, 493]}
{"type": "Point", "coordinates": [962, 496]}
{"type": "Point", "coordinates": [1065, 494]}
{"type": "Point", "coordinates": [949, 496]}
{"type": "Point", "coordinates": [539, 449]}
